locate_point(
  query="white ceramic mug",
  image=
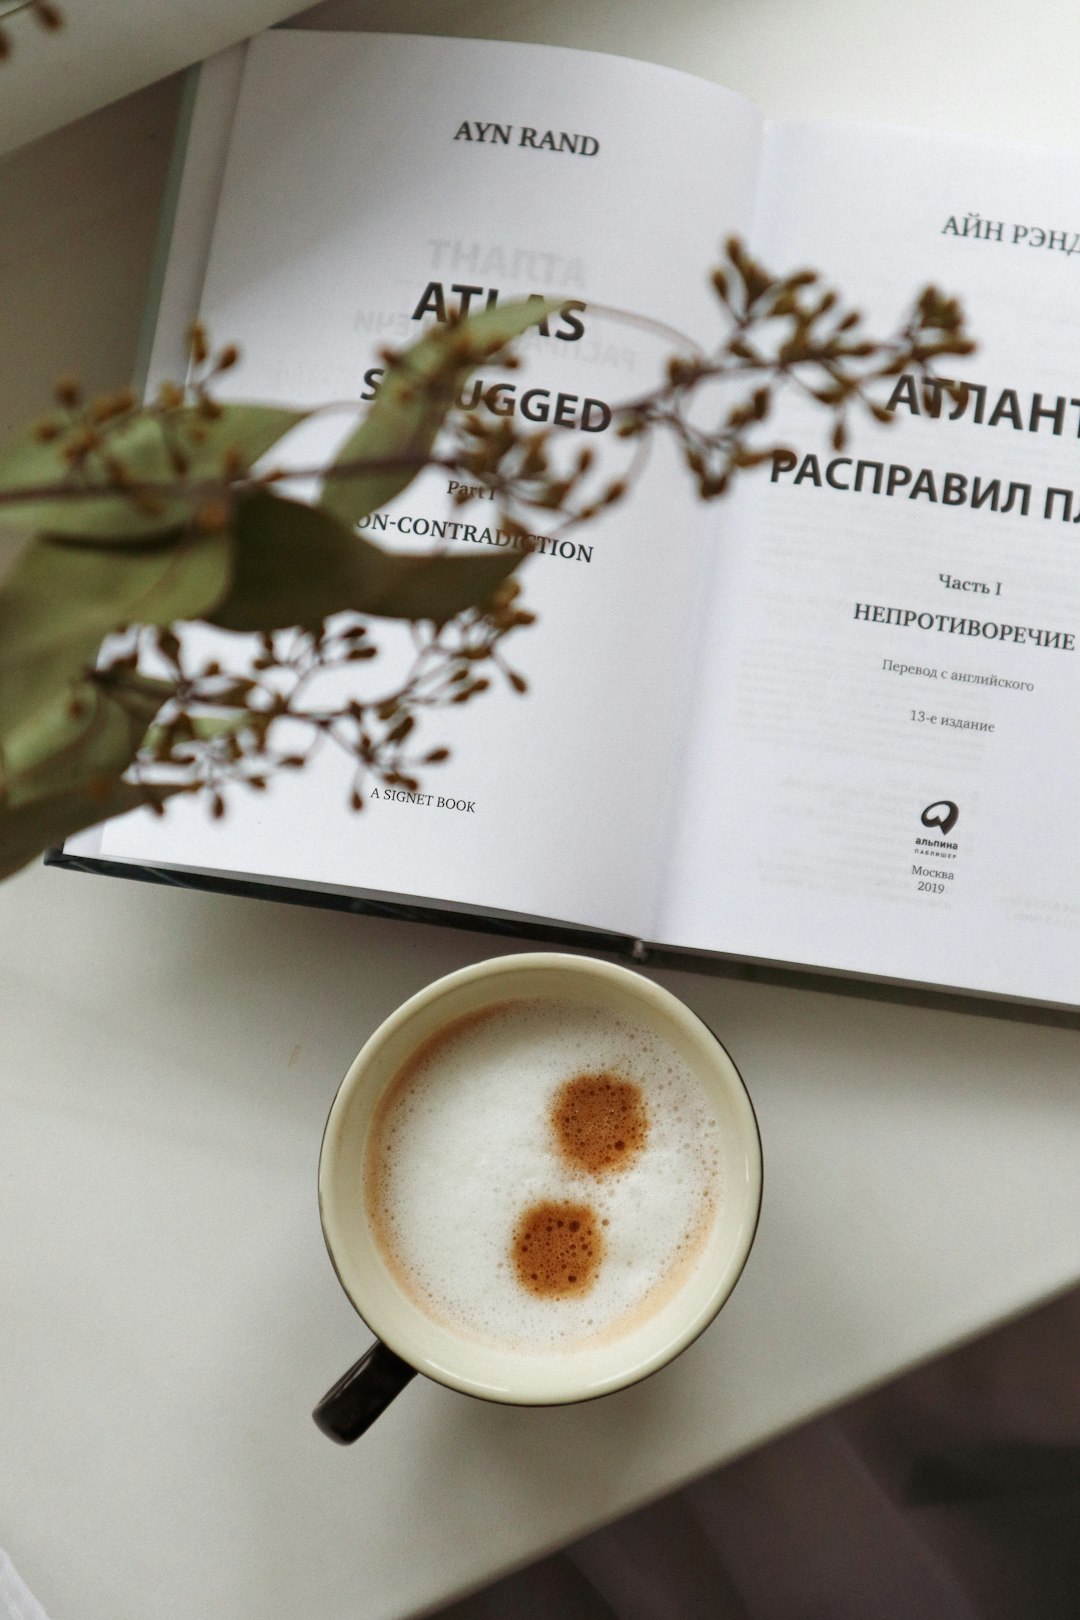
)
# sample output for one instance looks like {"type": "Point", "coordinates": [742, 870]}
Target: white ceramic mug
{"type": "Point", "coordinates": [410, 1341]}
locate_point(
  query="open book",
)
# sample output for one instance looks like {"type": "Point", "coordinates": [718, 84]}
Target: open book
{"type": "Point", "coordinates": [829, 721]}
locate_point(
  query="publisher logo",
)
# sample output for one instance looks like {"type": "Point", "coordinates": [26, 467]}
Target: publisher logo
{"type": "Point", "coordinates": [943, 814]}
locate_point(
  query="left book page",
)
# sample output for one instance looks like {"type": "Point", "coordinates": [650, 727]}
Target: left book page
{"type": "Point", "coordinates": [369, 179]}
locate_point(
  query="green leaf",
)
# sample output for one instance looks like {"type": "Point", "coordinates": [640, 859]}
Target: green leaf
{"type": "Point", "coordinates": [437, 587]}
{"type": "Point", "coordinates": [82, 741]}
{"type": "Point", "coordinates": [33, 828]}
{"type": "Point", "coordinates": [62, 768]}
{"type": "Point", "coordinates": [59, 602]}
{"type": "Point", "coordinates": [297, 564]}
{"type": "Point", "coordinates": [413, 399]}
{"type": "Point", "coordinates": [141, 446]}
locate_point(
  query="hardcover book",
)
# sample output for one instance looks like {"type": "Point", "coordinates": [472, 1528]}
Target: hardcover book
{"type": "Point", "coordinates": [827, 722]}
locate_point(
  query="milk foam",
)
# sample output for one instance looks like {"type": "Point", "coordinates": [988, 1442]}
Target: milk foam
{"type": "Point", "coordinates": [463, 1143]}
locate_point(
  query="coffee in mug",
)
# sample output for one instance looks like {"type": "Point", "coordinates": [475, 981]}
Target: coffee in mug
{"type": "Point", "coordinates": [539, 1181]}
{"type": "Point", "coordinates": [542, 1174]}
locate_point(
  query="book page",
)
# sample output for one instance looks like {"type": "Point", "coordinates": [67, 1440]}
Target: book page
{"type": "Point", "coordinates": [373, 183]}
{"type": "Point", "coordinates": [883, 775]}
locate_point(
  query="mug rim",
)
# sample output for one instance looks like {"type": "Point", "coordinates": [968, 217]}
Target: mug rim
{"type": "Point", "coordinates": [496, 968]}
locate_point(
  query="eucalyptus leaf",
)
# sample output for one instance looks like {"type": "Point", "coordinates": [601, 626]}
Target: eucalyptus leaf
{"type": "Point", "coordinates": [413, 400]}
{"type": "Point", "coordinates": [83, 740]}
{"type": "Point", "coordinates": [140, 445]}
{"type": "Point", "coordinates": [29, 830]}
{"type": "Point", "coordinates": [59, 602]}
{"type": "Point", "coordinates": [296, 564]}
{"type": "Point", "coordinates": [62, 768]}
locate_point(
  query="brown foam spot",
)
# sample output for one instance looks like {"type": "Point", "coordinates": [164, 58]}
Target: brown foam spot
{"type": "Point", "coordinates": [600, 1122]}
{"type": "Point", "coordinates": [557, 1249]}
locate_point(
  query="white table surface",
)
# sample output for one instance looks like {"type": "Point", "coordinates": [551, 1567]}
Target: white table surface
{"type": "Point", "coordinates": [167, 1311]}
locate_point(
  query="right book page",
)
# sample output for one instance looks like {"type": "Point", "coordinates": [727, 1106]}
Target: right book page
{"type": "Point", "coordinates": [882, 773]}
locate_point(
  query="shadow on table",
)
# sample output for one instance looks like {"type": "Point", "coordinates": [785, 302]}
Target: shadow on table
{"type": "Point", "coordinates": [951, 1494]}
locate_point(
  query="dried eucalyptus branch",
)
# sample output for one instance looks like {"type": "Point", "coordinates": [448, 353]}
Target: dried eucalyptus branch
{"type": "Point", "coordinates": [139, 516]}
{"type": "Point", "coordinates": [789, 334]}
{"type": "Point", "coordinates": [217, 730]}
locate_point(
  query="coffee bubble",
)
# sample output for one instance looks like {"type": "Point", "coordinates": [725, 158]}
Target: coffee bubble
{"type": "Point", "coordinates": [600, 1122]}
{"type": "Point", "coordinates": [557, 1249]}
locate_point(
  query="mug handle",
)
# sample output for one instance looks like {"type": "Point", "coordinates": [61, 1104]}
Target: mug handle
{"type": "Point", "coordinates": [363, 1394]}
